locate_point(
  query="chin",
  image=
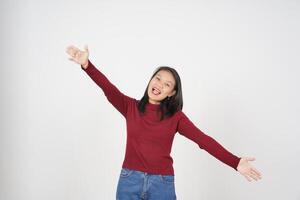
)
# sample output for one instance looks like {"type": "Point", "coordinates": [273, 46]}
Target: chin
{"type": "Point", "coordinates": [154, 98]}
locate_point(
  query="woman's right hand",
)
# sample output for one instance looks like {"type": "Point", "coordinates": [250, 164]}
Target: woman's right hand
{"type": "Point", "coordinates": [78, 56]}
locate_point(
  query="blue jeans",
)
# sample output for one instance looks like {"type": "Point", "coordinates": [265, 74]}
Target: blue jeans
{"type": "Point", "coordinates": [137, 185]}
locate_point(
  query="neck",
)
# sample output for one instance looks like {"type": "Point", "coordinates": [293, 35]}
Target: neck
{"type": "Point", "coordinates": [153, 102]}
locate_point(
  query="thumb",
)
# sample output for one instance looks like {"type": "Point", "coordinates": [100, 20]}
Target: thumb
{"type": "Point", "coordinates": [86, 48]}
{"type": "Point", "coordinates": [250, 158]}
{"type": "Point", "coordinates": [72, 59]}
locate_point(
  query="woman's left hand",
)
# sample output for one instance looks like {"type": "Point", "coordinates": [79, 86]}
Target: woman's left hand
{"type": "Point", "coordinates": [245, 168]}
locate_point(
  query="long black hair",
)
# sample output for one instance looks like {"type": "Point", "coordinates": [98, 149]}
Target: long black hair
{"type": "Point", "coordinates": [169, 105]}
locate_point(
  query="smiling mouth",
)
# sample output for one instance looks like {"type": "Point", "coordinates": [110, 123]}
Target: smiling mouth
{"type": "Point", "coordinates": [156, 91]}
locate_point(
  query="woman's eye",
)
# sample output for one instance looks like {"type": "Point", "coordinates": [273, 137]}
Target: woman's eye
{"type": "Point", "coordinates": [157, 78]}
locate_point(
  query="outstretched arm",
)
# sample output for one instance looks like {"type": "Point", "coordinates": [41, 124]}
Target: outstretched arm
{"type": "Point", "coordinates": [119, 100]}
{"type": "Point", "coordinates": [187, 128]}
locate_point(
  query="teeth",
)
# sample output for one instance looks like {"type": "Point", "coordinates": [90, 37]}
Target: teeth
{"type": "Point", "coordinates": [156, 90]}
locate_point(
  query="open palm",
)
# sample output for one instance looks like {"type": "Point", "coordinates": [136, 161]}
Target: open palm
{"type": "Point", "coordinates": [78, 56]}
{"type": "Point", "coordinates": [247, 170]}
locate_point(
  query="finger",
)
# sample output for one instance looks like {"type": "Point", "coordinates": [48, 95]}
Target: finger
{"type": "Point", "coordinates": [72, 59]}
{"type": "Point", "coordinates": [69, 50]}
{"type": "Point", "coordinates": [246, 176]}
{"type": "Point", "coordinates": [72, 50]}
{"type": "Point", "coordinates": [254, 171]}
{"type": "Point", "coordinates": [77, 54]}
{"type": "Point", "coordinates": [250, 158]}
{"type": "Point", "coordinates": [253, 175]}
{"type": "Point", "coordinates": [75, 48]}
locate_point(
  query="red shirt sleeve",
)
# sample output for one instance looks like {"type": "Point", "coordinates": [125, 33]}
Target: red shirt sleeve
{"type": "Point", "coordinates": [190, 131]}
{"type": "Point", "coordinates": [119, 100]}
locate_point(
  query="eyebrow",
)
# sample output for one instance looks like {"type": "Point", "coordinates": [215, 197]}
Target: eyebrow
{"type": "Point", "coordinates": [167, 81]}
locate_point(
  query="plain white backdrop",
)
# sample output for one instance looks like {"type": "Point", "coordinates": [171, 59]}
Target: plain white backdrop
{"type": "Point", "coordinates": [239, 64]}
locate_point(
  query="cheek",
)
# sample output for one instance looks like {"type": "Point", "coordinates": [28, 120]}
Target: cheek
{"type": "Point", "coordinates": [166, 92]}
{"type": "Point", "coordinates": [150, 83]}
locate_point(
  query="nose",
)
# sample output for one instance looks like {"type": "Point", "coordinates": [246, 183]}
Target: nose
{"type": "Point", "coordinates": [159, 86]}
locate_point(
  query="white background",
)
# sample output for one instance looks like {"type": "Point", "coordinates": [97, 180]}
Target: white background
{"type": "Point", "coordinates": [239, 64]}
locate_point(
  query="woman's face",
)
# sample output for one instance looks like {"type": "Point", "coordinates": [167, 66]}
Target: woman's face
{"type": "Point", "coordinates": [161, 86]}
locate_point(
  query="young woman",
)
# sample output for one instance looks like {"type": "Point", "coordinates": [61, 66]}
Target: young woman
{"type": "Point", "coordinates": [152, 122]}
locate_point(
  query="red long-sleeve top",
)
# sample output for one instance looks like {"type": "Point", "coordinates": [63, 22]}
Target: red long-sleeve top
{"type": "Point", "coordinates": [149, 141]}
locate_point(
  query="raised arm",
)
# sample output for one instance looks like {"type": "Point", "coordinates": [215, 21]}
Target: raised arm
{"type": "Point", "coordinates": [119, 100]}
{"type": "Point", "coordinates": [190, 131]}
